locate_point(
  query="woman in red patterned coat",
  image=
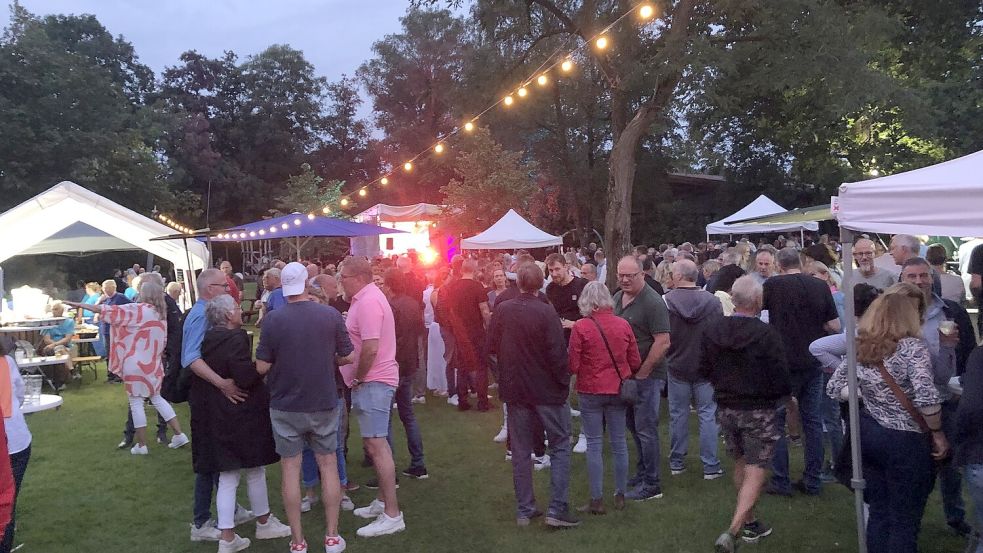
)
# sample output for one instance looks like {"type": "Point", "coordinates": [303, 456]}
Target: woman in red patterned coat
{"type": "Point", "coordinates": [139, 335]}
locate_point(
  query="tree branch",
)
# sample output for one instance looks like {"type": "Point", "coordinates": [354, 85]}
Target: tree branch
{"type": "Point", "coordinates": [736, 39]}
{"type": "Point", "coordinates": [571, 27]}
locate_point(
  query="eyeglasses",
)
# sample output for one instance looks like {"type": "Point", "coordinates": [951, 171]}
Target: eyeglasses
{"type": "Point", "coordinates": [343, 275]}
{"type": "Point", "coordinates": [628, 276]}
{"type": "Point", "coordinates": [223, 285]}
{"type": "Point", "coordinates": [863, 254]}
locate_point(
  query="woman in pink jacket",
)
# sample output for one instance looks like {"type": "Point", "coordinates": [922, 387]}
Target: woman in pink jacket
{"type": "Point", "coordinates": [603, 352]}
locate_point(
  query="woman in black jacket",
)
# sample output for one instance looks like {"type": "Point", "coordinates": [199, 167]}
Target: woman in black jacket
{"type": "Point", "coordinates": [233, 437]}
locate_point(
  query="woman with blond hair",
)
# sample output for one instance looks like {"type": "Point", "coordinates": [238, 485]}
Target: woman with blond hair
{"type": "Point", "coordinates": [139, 335]}
{"type": "Point", "coordinates": [900, 423]}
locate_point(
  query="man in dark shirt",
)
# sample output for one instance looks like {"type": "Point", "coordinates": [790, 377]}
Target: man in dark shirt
{"type": "Point", "coordinates": [527, 337]}
{"type": "Point", "coordinates": [801, 308]}
{"type": "Point", "coordinates": [468, 314]}
{"type": "Point", "coordinates": [563, 291]}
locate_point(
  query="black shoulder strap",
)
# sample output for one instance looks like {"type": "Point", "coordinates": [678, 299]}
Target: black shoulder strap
{"type": "Point", "coordinates": [608, 346]}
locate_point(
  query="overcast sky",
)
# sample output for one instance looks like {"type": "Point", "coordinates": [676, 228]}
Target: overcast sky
{"type": "Point", "coordinates": [335, 35]}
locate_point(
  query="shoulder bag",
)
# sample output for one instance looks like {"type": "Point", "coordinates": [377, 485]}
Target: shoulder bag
{"type": "Point", "coordinates": [628, 390]}
{"type": "Point", "coordinates": [903, 399]}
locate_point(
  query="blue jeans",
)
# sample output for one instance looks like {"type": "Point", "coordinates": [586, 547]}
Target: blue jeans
{"type": "Point", "coordinates": [555, 420]}
{"type": "Point", "coordinates": [596, 411]}
{"type": "Point", "coordinates": [900, 476]}
{"type": "Point", "coordinates": [404, 406]}
{"type": "Point", "coordinates": [643, 421]}
{"type": "Point", "coordinates": [832, 423]}
{"type": "Point", "coordinates": [18, 466]}
{"type": "Point", "coordinates": [809, 395]}
{"type": "Point", "coordinates": [974, 484]}
{"type": "Point", "coordinates": [950, 479]}
{"type": "Point", "coordinates": [205, 483]}
{"type": "Point", "coordinates": [680, 394]}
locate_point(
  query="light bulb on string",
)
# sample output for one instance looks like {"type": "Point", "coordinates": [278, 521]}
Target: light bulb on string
{"type": "Point", "coordinates": [567, 65]}
{"type": "Point", "coordinates": [384, 181]}
{"type": "Point", "coordinates": [645, 11]}
{"type": "Point", "coordinates": [272, 230]}
{"type": "Point", "coordinates": [362, 192]}
{"type": "Point", "coordinates": [326, 210]}
{"type": "Point", "coordinates": [408, 166]}
{"type": "Point", "coordinates": [508, 100]}
{"type": "Point", "coordinates": [262, 232]}
{"type": "Point", "coordinates": [522, 92]}
{"type": "Point", "coordinates": [542, 80]}
{"type": "Point", "coordinates": [297, 221]}
{"type": "Point", "coordinates": [469, 126]}
{"type": "Point", "coordinates": [344, 201]}
{"type": "Point", "coordinates": [439, 148]}
{"type": "Point", "coordinates": [310, 216]}
{"type": "Point", "coordinates": [252, 234]}
{"type": "Point", "coordinates": [284, 226]}
{"type": "Point", "coordinates": [601, 42]}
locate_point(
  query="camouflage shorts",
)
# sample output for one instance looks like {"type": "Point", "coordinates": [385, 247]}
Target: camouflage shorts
{"type": "Point", "coordinates": [750, 434]}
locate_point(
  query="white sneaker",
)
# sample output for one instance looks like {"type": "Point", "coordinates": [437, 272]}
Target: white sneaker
{"type": "Point", "coordinates": [334, 544]}
{"type": "Point", "coordinates": [419, 399]}
{"type": "Point", "coordinates": [581, 446]}
{"type": "Point", "coordinates": [207, 532]}
{"type": "Point", "coordinates": [238, 543]}
{"type": "Point", "coordinates": [540, 463]}
{"type": "Point", "coordinates": [298, 547]}
{"type": "Point", "coordinates": [574, 412]}
{"type": "Point", "coordinates": [508, 455]}
{"type": "Point", "coordinates": [452, 400]}
{"type": "Point", "coordinates": [347, 504]}
{"type": "Point", "coordinates": [382, 526]}
{"type": "Point", "coordinates": [181, 440]}
{"type": "Point", "coordinates": [272, 529]}
{"type": "Point", "coordinates": [243, 515]}
{"type": "Point", "coordinates": [307, 502]}
{"type": "Point", "coordinates": [139, 450]}
{"type": "Point", "coordinates": [502, 435]}
{"type": "Point", "coordinates": [373, 510]}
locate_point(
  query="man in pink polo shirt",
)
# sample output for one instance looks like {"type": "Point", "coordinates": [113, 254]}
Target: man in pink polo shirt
{"type": "Point", "coordinates": [373, 378]}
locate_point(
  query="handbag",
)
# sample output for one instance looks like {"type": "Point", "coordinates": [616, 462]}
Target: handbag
{"type": "Point", "coordinates": [628, 390]}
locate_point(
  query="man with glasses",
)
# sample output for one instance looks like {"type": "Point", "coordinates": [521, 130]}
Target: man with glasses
{"type": "Point", "coordinates": [645, 311]}
{"type": "Point", "coordinates": [867, 271]}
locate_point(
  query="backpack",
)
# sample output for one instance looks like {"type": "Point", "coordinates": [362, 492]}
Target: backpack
{"type": "Point", "coordinates": [176, 385]}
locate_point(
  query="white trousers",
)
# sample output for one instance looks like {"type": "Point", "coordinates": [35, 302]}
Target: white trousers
{"type": "Point", "coordinates": [140, 416]}
{"type": "Point", "coordinates": [225, 497]}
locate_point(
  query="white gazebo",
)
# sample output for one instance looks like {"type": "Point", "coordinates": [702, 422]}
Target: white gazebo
{"type": "Point", "coordinates": [509, 233]}
{"type": "Point", "coordinates": [761, 206]}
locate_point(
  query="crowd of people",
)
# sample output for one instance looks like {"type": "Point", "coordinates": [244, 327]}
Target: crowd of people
{"type": "Point", "coordinates": [748, 337]}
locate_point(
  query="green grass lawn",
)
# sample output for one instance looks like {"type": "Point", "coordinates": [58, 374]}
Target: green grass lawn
{"type": "Point", "coordinates": [82, 494]}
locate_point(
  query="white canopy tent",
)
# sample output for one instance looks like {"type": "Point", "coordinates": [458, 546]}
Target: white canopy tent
{"type": "Point", "coordinates": [69, 219]}
{"type": "Point", "coordinates": [509, 233]}
{"type": "Point", "coordinates": [761, 206]}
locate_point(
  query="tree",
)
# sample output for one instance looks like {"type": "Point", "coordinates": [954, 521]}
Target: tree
{"type": "Point", "coordinates": [306, 193]}
{"type": "Point", "coordinates": [488, 181]}
{"type": "Point", "coordinates": [345, 153]}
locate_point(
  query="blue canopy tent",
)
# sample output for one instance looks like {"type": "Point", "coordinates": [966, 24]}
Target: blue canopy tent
{"type": "Point", "coordinates": [297, 226]}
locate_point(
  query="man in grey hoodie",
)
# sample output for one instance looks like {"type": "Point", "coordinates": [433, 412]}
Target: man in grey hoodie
{"type": "Point", "coordinates": [691, 311]}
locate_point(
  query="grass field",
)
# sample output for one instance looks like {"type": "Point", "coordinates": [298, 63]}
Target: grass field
{"type": "Point", "coordinates": [82, 495]}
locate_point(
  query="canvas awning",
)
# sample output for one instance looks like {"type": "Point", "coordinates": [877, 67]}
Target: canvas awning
{"type": "Point", "coordinates": [801, 215]}
{"type": "Point", "coordinates": [298, 225]}
{"type": "Point", "coordinates": [761, 206]}
{"type": "Point", "coordinates": [509, 233]}
{"type": "Point", "coordinates": [401, 213]}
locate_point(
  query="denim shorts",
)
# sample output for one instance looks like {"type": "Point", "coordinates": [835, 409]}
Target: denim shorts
{"type": "Point", "coordinates": [319, 430]}
{"type": "Point", "coordinates": [371, 403]}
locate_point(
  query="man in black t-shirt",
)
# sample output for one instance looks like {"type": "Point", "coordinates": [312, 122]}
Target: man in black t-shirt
{"type": "Point", "coordinates": [801, 308]}
{"type": "Point", "coordinates": [563, 291]}
{"type": "Point", "coordinates": [468, 315]}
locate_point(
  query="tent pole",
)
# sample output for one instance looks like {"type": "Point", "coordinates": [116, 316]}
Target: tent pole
{"type": "Point", "coordinates": [802, 237]}
{"type": "Point", "coordinates": [298, 248]}
{"type": "Point", "coordinates": [189, 271]}
{"type": "Point", "coordinates": [850, 326]}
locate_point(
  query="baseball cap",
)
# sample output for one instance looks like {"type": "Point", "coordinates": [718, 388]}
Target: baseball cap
{"type": "Point", "coordinates": [293, 279]}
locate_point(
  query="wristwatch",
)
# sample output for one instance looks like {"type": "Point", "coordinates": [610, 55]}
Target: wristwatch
{"type": "Point", "coordinates": [355, 382]}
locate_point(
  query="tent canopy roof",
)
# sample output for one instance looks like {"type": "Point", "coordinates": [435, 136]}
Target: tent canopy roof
{"type": "Point", "coordinates": [401, 213]}
{"type": "Point", "coordinates": [68, 218]}
{"type": "Point", "coordinates": [939, 200]}
{"type": "Point", "coordinates": [802, 215]}
{"type": "Point", "coordinates": [303, 226]}
{"type": "Point", "coordinates": [762, 205]}
{"type": "Point", "coordinates": [511, 232]}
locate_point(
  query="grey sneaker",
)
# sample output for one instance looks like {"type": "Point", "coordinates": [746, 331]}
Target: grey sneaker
{"type": "Point", "coordinates": [726, 543]}
{"type": "Point", "coordinates": [644, 493]}
{"type": "Point", "coordinates": [562, 520]}
{"type": "Point", "coordinates": [754, 531]}
{"type": "Point", "coordinates": [525, 521]}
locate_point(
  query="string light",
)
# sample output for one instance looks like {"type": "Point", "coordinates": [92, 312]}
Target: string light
{"type": "Point", "coordinates": [646, 11]}
{"type": "Point", "coordinates": [326, 210]}
{"type": "Point", "coordinates": [408, 166]}
{"type": "Point", "coordinates": [362, 192]}
{"type": "Point", "coordinates": [310, 216]}
{"type": "Point", "coordinates": [384, 181]}
{"type": "Point", "coordinates": [601, 42]}
{"type": "Point", "coordinates": [284, 226]}
{"type": "Point", "coordinates": [344, 201]}
{"type": "Point", "coordinates": [252, 234]}
{"type": "Point", "coordinates": [542, 80]}
{"type": "Point", "coordinates": [522, 92]}
{"type": "Point", "coordinates": [273, 229]}
{"type": "Point", "coordinates": [297, 222]}
{"type": "Point", "coordinates": [508, 100]}
{"type": "Point", "coordinates": [566, 66]}
{"type": "Point", "coordinates": [439, 148]}
{"type": "Point", "coordinates": [469, 126]}
{"type": "Point", "coordinates": [262, 232]}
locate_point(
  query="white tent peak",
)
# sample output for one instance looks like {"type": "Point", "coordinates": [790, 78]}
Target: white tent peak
{"type": "Point", "coordinates": [511, 232]}
{"type": "Point", "coordinates": [761, 206]}
{"type": "Point", "coordinates": [68, 218]}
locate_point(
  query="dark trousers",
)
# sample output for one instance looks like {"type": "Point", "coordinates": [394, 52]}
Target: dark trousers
{"type": "Point", "coordinates": [449, 358]}
{"type": "Point", "coordinates": [128, 429]}
{"type": "Point", "coordinates": [555, 419]}
{"type": "Point", "coordinates": [404, 406]}
{"type": "Point", "coordinates": [809, 395]}
{"type": "Point", "coordinates": [950, 478]}
{"type": "Point", "coordinates": [643, 422]}
{"type": "Point", "coordinates": [205, 484]}
{"type": "Point", "coordinates": [18, 465]}
{"type": "Point", "coordinates": [900, 475]}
